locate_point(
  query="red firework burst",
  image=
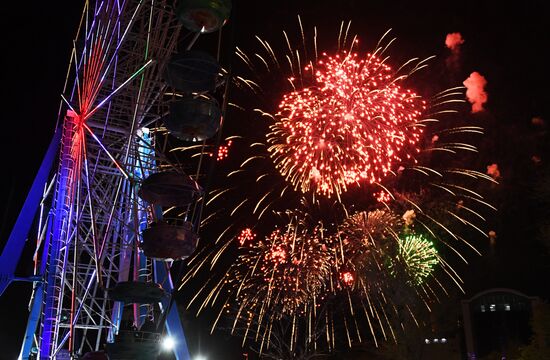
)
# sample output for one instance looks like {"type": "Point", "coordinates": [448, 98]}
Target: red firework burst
{"type": "Point", "coordinates": [352, 124]}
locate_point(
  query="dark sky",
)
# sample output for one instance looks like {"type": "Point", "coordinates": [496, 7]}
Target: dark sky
{"type": "Point", "coordinates": [504, 41]}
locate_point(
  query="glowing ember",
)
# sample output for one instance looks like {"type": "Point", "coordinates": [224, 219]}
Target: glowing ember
{"type": "Point", "coordinates": [352, 124]}
{"type": "Point", "coordinates": [382, 196]}
{"type": "Point", "coordinates": [347, 278]}
{"type": "Point", "coordinates": [223, 151]}
{"type": "Point", "coordinates": [277, 255]}
{"type": "Point", "coordinates": [246, 236]}
{"type": "Point", "coordinates": [493, 171]}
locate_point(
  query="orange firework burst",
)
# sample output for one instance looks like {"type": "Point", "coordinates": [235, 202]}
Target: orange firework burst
{"type": "Point", "coordinates": [351, 124]}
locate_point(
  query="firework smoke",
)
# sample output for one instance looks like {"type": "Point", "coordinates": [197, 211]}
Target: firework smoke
{"type": "Point", "coordinates": [475, 85]}
{"type": "Point", "coordinates": [453, 42]}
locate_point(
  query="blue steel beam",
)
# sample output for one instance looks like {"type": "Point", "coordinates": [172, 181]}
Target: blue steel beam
{"type": "Point", "coordinates": [11, 253]}
{"type": "Point", "coordinates": [174, 325]}
{"type": "Point", "coordinates": [61, 208]}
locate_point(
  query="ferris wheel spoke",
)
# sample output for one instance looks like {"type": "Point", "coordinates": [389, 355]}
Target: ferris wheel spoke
{"type": "Point", "coordinates": [117, 164]}
{"type": "Point", "coordinates": [114, 92]}
{"type": "Point", "coordinates": [122, 38]}
{"type": "Point", "coordinates": [68, 103]}
{"type": "Point", "coordinates": [92, 215]}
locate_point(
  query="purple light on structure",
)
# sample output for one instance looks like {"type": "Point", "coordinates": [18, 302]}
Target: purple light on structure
{"type": "Point", "coordinates": [62, 203]}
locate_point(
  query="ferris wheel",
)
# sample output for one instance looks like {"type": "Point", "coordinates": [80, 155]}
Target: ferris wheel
{"type": "Point", "coordinates": [114, 208]}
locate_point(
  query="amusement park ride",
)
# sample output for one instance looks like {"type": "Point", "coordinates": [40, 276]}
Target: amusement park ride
{"type": "Point", "coordinates": [111, 208]}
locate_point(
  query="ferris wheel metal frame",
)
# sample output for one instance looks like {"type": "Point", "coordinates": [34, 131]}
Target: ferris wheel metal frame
{"type": "Point", "coordinates": [85, 198]}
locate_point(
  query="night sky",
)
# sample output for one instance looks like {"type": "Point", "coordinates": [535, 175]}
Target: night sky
{"type": "Point", "coordinates": [503, 42]}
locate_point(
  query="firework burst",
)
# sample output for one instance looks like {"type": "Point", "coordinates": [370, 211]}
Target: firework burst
{"type": "Point", "coordinates": [283, 271]}
{"type": "Point", "coordinates": [361, 248]}
{"type": "Point", "coordinates": [418, 255]}
{"type": "Point", "coordinates": [360, 245]}
{"type": "Point", "coordinates": [353, 123]}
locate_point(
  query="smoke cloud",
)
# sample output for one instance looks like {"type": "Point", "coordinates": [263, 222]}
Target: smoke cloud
{"type": "Point", "coordinates": [475, 92]}
{"type": "Point", "coordinates": [453, 41]}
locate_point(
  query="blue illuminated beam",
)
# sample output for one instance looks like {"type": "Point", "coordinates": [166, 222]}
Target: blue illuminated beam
{"type": "Point", "coordinates": [174, 324]}
{"type": "Point", "coordinates": [16, 242]}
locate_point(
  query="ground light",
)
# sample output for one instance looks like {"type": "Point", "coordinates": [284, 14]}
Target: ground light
{"type": "Point", "coordinates": [168, 343]}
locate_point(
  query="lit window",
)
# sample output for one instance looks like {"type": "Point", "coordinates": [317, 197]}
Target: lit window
{"type": "Point", "coordinates": [493, 307]}
{"type": "Point", "coordinates": [482, 308]}
{"type": "Point", "coordinates": [427, 341]}
{"type": "Point", "coordinates": [443, 340]}
{"type": "Point", "coordinates": [436, 341]}
{"type": "Point", "coordinates": [506, 307]}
